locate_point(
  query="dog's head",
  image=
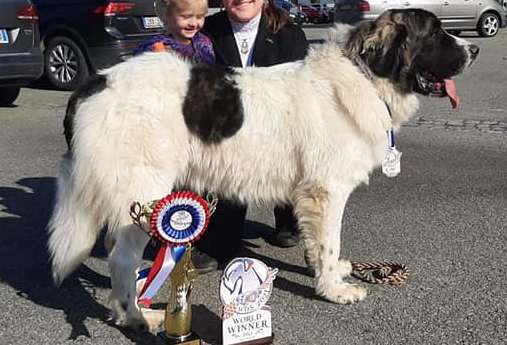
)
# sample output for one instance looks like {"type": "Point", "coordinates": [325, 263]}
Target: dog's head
{"type": "Point", "coordinates": [410, 48]}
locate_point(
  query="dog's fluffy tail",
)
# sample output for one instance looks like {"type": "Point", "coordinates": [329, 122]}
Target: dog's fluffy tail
{"type": "Point", "coordinates": [72, 230]}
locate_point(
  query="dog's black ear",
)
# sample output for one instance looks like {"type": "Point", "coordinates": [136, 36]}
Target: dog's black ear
{"type": "Point", "coordinates": [382, 44]}
{"type": "Point", "coordinates": [385, 49]}
{"type": "Point", "coordinates": [384, 37]}
{"type": "Point", "coordinates": [356, 38]}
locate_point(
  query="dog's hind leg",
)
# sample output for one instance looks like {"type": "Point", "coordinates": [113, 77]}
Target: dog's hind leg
{"type": "Point", "coordinates": [124, 260]}
{"type": "Point", "coordinates": [320, 214]}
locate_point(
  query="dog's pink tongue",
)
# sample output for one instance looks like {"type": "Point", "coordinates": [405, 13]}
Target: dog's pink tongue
{"type": "Point", "coordinates": [452, 93]}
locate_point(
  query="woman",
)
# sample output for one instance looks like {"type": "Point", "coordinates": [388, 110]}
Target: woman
{"type": "Point", "coordinates": [247, 33]}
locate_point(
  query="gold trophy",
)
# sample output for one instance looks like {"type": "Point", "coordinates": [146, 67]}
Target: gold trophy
{"type": "Point", "coordinates": [176, 221]}
{"type": "Point", "coordinates": [178, 313]}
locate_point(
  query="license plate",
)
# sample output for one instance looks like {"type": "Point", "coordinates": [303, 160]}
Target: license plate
{"type": "Point", "coordinates": [4, 38]}
{"type": "Point", "coordinates": [152, 22]}
{"type": "Point", "coordinates": [345, 7]}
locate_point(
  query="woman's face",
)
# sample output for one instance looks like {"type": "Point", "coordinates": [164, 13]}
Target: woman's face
{"type": "Point", "coordinates": [243, 10]}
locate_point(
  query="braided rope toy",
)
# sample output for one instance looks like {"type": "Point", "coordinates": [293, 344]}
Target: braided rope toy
{"type": "Point", "coordinates": [375, 272]}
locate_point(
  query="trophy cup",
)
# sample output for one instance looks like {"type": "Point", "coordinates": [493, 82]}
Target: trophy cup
{"type": "Point", "coordinates": [245, 288]}
{"type": "Point", "coordinates": [177, 221]}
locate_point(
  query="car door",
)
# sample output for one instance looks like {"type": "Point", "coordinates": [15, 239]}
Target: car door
{"type": "Point", "coordinates": [459, 14]}
{"type": "Point", "coordinates": [383, 5]}
{"type": "Point", "coordinates": [377, 7]}
{"type": "Point", "coordinates": [433, 6]}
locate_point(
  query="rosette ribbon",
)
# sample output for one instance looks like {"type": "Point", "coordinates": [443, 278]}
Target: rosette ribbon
{"type": "Point", "coordinates": [177, 220]}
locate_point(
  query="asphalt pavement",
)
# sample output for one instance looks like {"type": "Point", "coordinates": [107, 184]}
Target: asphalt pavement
{"type": "Point", "coordinates": [444, 217]}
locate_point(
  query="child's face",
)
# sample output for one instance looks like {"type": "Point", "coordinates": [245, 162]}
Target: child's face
{"type": "Point", "coordinates": [185, 23]}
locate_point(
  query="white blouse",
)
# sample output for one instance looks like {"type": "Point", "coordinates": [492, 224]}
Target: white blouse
{"type": "Point", "coordinates": [245, 34]}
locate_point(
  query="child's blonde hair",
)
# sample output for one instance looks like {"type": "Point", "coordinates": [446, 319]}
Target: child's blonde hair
{"type": "Point", "coordinates": [165, 7]}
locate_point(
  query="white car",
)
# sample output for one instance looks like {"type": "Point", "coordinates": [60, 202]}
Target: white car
{"type": "Point", "coordinates": [484, 16]}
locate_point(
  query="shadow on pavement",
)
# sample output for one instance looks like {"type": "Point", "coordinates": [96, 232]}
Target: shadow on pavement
{"type": "Point", "coordinates": [207, 324]}
{"type": "Point", "coordinates": [25, 260]}
{"type": "Point", "coordinates": [42, 84]}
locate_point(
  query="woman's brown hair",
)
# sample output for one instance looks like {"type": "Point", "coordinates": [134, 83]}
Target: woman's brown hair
{"type": "Point", "coordinates": [276, 17]}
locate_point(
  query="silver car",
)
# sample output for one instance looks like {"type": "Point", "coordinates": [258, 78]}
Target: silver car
{"type": "Point", "coordinates": [484, 16]}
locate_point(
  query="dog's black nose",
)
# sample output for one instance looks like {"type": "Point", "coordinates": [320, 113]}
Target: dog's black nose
{"type": "Point", "coordinates": [474, 50]}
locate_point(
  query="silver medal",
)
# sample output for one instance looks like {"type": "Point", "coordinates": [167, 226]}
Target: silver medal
{"type": "Point", "coordinates": [244, 46]}
{"type": "Point", "coordinates": [391, 165]}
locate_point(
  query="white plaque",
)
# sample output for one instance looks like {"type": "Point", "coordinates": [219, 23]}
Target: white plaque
{"type": "Point", "coordinates": [245, 289]}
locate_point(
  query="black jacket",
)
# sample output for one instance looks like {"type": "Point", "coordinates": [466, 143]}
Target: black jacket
{"type": "Point", "coordinates": [288, 44]}
{"type": "Point", "coordinates": [226, 227]}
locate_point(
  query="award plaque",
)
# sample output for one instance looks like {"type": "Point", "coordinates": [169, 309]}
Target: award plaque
{"type": "Point", "coordinates": [245, 289]}
{"type": "Point", "coordinates": [176, 221]}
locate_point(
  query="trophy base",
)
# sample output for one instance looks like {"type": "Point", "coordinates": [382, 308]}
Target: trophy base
{"type": "Point", "coordinates": [262, 341]}
{"type": "Point", "coordinates": [192, 339]}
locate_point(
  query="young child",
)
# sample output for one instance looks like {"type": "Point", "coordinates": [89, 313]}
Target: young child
{"type": "Point", "coordinates": [182, 21]}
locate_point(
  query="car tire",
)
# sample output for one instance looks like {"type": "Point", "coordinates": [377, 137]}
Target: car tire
{"type": "Point", "coordinates": [65, 65]}
{"type": "Point", "coordinates": [488, 26]}
{"type": "Point", "coordinates": [8, 95]}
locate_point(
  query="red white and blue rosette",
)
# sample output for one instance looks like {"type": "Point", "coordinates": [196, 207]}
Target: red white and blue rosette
{"type": "Point", "coordinates": [178, 220]}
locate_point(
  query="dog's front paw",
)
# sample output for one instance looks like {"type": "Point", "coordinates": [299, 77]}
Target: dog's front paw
{"type": "Point", "coordinates": [138, 325]}
{"type": "Point", "coordinates": [343, 293]}
{"type": "Point", "coordinates": [144, 320]}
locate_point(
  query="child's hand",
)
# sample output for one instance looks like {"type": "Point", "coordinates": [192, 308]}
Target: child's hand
{"type": "Point", "coordinates": [159, 47]}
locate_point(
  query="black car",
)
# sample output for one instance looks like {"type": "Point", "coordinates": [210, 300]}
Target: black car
{"type": "Point", "coordinates": [83, 36]}
{"type": "Point", "coordinates": [20, 53]}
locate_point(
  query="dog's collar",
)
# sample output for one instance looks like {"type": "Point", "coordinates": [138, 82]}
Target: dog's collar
{"type": "Point", "coordinates": [363, 67]}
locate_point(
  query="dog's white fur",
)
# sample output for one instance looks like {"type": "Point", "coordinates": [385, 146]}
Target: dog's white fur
{"type": "Point", "coordinates": [312, 132]}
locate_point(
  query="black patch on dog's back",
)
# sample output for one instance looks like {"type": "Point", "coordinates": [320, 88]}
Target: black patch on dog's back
{"type": "Point", "coordinates": [212, 108]}
{"type": "Point", "coordinates": [94, 84]}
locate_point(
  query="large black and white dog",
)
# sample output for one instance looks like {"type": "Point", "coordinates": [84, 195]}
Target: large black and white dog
{"type": "Point", "coordinates": [306, 132]}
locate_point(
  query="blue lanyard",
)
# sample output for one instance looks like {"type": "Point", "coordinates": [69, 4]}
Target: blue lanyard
{"type": "Point", "coordinates": [391, 139]}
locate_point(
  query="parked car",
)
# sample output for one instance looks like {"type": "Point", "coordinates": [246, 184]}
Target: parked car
{"type": "Point", "coordinates": [20, 53]}
{"type": "Point", "coordinates": [484, 16]}
{"type": "Point", "coordinates": [326, 10]}
{"type": "Point", "coordinates": [295, 14]}
{"type": "Point", "coordinates": [83, 36]}
{"type": "Point", "coordinates": [314, 15]}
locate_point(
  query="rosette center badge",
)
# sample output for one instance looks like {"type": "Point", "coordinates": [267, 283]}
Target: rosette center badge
{"type": "Point", "coordinates": [179, 219]}
{"type": "Point", "coordinates": [245, 289]}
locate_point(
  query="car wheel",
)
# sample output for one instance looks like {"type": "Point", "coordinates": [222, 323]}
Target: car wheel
{"type": "Point", "coordinates": [65, 66]}
{"type": "Point", "coordinates": [8, 95]}
{"type": "Point", "coordinates": [488, 25]}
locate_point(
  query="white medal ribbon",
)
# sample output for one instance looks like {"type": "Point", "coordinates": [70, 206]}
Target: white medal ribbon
{"type": "Point", "coordinates": [165, 261]}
